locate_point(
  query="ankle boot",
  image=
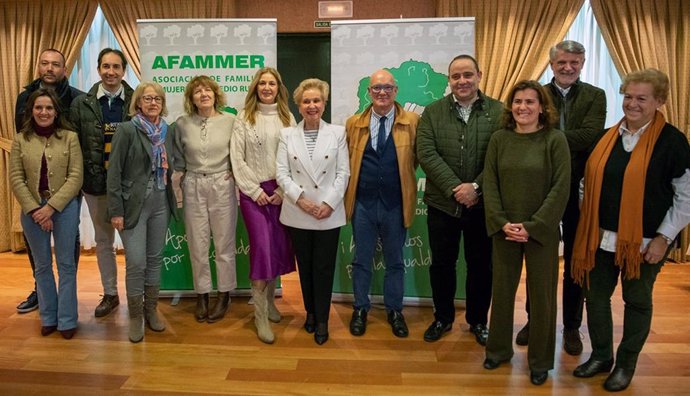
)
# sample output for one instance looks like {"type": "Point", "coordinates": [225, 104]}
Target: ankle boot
{"type": "Point", "coordinates": [273, 313]}
{"type": "Point", "coordinates": [263, 327]}
{"type": "Point", "coordinates": [201, 312]}
{"type": "Point", "coordinates": [150, 312]}
{"type": "Point", "coordinates": [219, 308]}
{"type": "Point", "coordinates": [136, 318]}
{"type": "Point", "coordinates": [321, 333]}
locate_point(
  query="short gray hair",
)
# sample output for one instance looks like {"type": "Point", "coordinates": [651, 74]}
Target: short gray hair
{"type": "Point", "coordinates": [569, 46]}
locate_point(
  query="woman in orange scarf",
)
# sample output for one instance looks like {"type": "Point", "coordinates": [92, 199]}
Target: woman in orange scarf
{"type": "Point", "coordinates": [636, 201]}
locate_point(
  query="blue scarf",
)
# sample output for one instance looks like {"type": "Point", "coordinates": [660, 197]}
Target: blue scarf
{"type": "Point", "coordinates": [156, 134]}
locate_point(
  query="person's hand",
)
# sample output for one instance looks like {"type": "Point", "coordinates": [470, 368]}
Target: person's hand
{"type": "Point", "coordinates": [263, 199]}
{"type": "Point", "coordinates": [47, 225]}
{"type": "Point", "coordinates": [323, 211]}
{"type": "Point", "coordinates": [118, 223]}
{"type": "Point", "coordinates": [275, 199]}
{"type": "Point", "coordinates": [306, 205]}
{"type": "Point", "coordinates": [42, 214]}
{"type": "Point", "coordinates": [655, 250]}
{"type": "Point", "coordinates": [515, 232]}
{"type": "Point", "coordinates": [465, 194]}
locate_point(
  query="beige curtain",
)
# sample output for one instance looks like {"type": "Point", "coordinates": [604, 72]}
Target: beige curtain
{"type": "Point", "coordinates": [513, 38]}
{"type": "Point", "coordinates": [122, 16]}
{"type": "Point", "coordinates": [26, 28]}
{"type": "Point", "coordinates": [642, 34]}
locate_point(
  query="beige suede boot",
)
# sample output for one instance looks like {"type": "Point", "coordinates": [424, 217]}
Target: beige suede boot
{"type": "Point", "coordinates": [263, 327]}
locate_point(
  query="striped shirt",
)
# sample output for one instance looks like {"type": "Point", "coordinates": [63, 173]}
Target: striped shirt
{"type": "Point", "coordinates": [310, 140]}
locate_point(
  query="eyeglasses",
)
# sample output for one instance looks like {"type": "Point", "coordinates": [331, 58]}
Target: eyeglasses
{"type": "Point", "coordinates": [149, 99]}
{"type": "Point", "coordinates": [385, 88]}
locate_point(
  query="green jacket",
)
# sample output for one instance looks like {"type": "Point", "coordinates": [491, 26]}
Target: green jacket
{"type": "Point", "coordinates": [87, 118]}
{"type": "Point", "coordinates": [129, 172]}
{"type": "Point", "coordinates": [584, 113]}
{"type": "Point", "coordinates": [451, 152]}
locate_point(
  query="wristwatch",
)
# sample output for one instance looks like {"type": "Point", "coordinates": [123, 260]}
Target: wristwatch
{"type": "Point", "coordinates": [666, 239]}
{"type": "Point", "coordinates": [477, 190]}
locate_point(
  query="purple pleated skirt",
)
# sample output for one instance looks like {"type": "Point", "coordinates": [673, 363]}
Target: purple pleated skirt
{"type": "Point", "coordinates": [270, 250]}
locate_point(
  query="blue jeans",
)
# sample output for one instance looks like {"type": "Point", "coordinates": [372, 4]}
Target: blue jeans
{"type": "Point", "coordinates": [145, 242]}
{"type": "Point", "coordinates": [57, 306]}
{"type": "Point", "coordinates": [368, 224]}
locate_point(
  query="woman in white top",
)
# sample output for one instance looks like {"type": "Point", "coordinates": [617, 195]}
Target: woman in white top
{"type": "Point", "coordinates": [313, 171]}
{"type": "Point", "coordinates": [202, 152]}
{"type": "Point", "coordinates": [253, 152]}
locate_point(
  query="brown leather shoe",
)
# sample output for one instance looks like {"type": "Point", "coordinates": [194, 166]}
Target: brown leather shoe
{"type": "Point", "coordinates": [219, 308]}
{"type": "Point", "coordinates": [201, 312]}
{"type": "Point", "coordinates": [69, 333]}
{"type": "Point", "coordinates": [47, 330]}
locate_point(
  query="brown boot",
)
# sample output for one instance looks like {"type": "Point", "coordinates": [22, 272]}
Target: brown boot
{"type": "Point", "coordinates": [201, 312]}
{"type": "Point", "coordinates": [150, 311]}
{"type": "Point", "coordinates": [263, 327]}
{"type": "Point", "coordinates": [273, 313]}
{"type": "Point", "coordinates": [220, 307]}
{"type": "Point", "coordinates": [136, 318]}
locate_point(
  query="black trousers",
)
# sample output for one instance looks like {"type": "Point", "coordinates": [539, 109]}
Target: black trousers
{"type": "Point", "coordinates": [573, 297]}
{"type": "Point", "coordinates": [445, 232]}
{"type": "Point", "coordinates": [316, 254]}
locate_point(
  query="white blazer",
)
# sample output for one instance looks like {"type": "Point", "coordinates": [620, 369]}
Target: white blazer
{"type": "Point", "coordinates": [322, 178]}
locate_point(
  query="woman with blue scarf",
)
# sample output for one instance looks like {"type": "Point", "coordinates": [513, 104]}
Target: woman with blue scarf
{"type": "Point", "coordinates": [141, 200]}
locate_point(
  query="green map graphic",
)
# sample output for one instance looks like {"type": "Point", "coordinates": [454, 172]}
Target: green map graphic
{"type": "Point", "coordinates": [230, 110]}
{"type": "Point", "coordinates": [418, 83]}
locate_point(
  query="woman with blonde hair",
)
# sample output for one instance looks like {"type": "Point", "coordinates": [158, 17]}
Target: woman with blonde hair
{"type": "Point", "coordinates": [141, 200]}
{"type": "Point", "coordinates": [313, 169]}
{"type": "Point", "coordinates": [253, 153]}
{"type": "Point", "coordinates": [202, 152]}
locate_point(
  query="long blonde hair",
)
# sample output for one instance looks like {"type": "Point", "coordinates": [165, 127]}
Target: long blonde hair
{"type": "Point", "coordinates": [251, 101]}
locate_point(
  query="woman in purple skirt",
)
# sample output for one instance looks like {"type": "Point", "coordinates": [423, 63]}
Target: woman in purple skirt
{"type": "Point", "coordinates": [253, 154]}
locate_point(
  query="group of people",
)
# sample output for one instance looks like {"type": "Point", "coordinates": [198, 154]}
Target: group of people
{"type": "Point", "coordinates": [501, 176]}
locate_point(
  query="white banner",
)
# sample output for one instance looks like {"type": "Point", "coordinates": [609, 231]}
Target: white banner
{"type": "Point", "coordinates": [416, 51]}
{"type": "Point", "coordinates": [230, 51]}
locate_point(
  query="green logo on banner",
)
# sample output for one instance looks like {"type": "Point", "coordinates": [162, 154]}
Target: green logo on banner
{"type": "Point", "coordinates": [418, 83]}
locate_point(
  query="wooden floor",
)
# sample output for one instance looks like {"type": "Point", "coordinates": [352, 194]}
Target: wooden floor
{"type": "Point", "coordinates": [227, 358]}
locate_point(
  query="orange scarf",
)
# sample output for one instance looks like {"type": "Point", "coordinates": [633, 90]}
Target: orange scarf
{"type": "Point", "coordinates": [587, 239]}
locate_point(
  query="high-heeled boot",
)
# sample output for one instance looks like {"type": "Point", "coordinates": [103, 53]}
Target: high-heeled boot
{"type": "Point", "coordinates": [150, 311]}
{"type": "Point", "coordinates": [263, 327]}
{"type": "Point", "coordinates": [219, 308]}
{"type": "Point", "coordinates": [201, 312]}
{"type": "Point", "coordinates": [273, 313]}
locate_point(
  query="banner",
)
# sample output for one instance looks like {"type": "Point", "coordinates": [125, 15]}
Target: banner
{"type": "Point", "coordinates": [228, 50]}
{"type": "Point", "coordinates": [417, 52]}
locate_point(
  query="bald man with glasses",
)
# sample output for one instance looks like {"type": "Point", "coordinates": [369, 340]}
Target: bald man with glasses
{"type": "Point", "coordinates": [381, 197]}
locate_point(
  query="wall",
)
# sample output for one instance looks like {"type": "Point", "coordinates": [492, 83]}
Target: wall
{"type": "Point", "coordinates": [298, 16]}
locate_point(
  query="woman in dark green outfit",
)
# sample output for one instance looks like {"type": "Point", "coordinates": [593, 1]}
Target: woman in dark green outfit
{"type": "Point", "coordinates": [526, 185]}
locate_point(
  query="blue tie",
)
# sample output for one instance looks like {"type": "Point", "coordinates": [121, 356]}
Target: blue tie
{"type": "Point", "coordinates": [381, 140]}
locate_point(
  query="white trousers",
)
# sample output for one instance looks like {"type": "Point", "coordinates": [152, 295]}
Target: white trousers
{"type": "Point", "coordinates": [210, 208]}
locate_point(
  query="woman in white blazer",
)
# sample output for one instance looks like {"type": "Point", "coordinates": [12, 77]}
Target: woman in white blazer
{"type": "Point", "coordinates": [313, 170]}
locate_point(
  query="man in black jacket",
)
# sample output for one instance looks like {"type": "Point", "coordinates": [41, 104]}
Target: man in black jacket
{"type": "Point", "coordinates": [95, 116]}
{"type": "Point", "coordinates": [582, 114]}
{"type": "Point", "coordinates": [51, 74]}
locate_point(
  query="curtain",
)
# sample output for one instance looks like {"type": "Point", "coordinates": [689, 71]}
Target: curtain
{"type": "Point", "coordinates": [658, 38]}
{"type": "Point", "coordinates": [513, 38]}
{"type": "Point", "coordinates": [122, 16]}
{"type": "Point", "coordinates": [26, 28]}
